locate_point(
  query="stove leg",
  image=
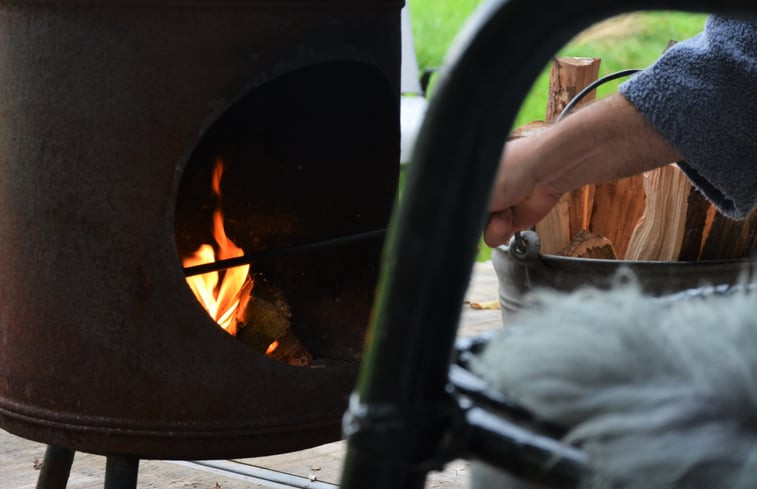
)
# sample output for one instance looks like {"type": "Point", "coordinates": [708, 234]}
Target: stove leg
{"type": "Point", "coordinates": [56, 468]}
{"type": "Point", "coordinates": [121, 472]}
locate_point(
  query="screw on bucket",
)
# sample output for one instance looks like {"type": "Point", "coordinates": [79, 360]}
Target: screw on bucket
{"type": "Point", "coordinates": [525, 246]}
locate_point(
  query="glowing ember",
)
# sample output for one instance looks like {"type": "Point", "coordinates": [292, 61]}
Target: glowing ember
{"type": "Point", "coordinates": [272, 347]}
{"type": "Point", "coordinates": [218, 292]}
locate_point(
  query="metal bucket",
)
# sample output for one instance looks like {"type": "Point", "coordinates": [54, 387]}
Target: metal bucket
{"type": "Point", "coordinates": [519, 271]}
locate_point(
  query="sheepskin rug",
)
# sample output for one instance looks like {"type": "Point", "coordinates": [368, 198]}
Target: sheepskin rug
{"type": "Point", "coordinates": [660, 394]}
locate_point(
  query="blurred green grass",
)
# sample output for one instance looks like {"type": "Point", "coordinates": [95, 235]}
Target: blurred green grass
{"type": "Point", "coordinates": [633, 40]}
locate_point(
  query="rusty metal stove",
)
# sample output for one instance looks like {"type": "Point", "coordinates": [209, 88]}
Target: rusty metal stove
{"type": "Point", "coordinates": [108, 111]}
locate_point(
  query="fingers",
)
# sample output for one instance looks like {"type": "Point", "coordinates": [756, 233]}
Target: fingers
{"type": "Point", "coordinates": [504, 223]}
{"type": "Point", "coordinates": [500, 228]}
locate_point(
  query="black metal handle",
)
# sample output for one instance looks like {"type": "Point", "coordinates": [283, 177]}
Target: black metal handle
{"type": "Point", "coordinates": [432, 240]}
{"type": "Point", "coordinates": [250, 257]}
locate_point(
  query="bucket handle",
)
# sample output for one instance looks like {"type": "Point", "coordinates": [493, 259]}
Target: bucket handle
{"type": "Point", "coordinates": [525, 249]}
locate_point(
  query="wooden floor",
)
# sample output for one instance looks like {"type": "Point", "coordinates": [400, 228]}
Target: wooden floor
{"type": "Point", "coordinates": [316, 468]}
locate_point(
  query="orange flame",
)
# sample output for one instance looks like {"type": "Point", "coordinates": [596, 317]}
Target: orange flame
{"type": "Point", "coordinates": [272, 347]}
{"type": "Point", "coordinates": [218, 294]}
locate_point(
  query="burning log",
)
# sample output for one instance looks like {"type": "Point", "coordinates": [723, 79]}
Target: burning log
{"type": "Point", "coordinates": [288, 349]}
{"type": "Point", "coordinates": [263, 315]}
{"type": "Point", "coordinates": [264, 322]}
{"type": "Point", "coordinates": [257, 313]}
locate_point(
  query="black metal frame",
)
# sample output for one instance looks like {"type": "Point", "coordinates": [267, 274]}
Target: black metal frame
{"type": "Point", "coordinates": [406, 417]}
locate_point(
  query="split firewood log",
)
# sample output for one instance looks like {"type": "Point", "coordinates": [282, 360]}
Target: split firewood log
{"type": "Point", "coordinates": [617, 208]}
{"type": "Point", "coordinates": [589, 245]}
{"type": "Point", "coordinates": [554, 228]}
{"type": "Point", "coordinates": [699, 216]}
{"type": "Point", "coordinates": [659, 234]}
{"type": "Point", "coordinates": [581, 208]}
{"type": "Point", "coordinates": [568, 77]}
{"type": "Point", "coordinates": [729, 238]}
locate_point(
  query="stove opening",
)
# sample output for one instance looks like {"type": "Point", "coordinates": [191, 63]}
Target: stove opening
{"type": "Point", "coordinates": [308, 156]}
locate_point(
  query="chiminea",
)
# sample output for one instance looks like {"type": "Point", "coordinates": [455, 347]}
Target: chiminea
{"type": "Point", "coordinates": [113, 117]}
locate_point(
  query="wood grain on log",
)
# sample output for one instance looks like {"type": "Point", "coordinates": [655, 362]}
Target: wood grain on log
{"type": "Point", "coordinates": [729, 238]}
{"type": "Point", "coordinates": [659, 233]}
{"type": "Point", "coordinates": [698, 208]}
{"type": "Point", "coordinates": [618, 206]}
{"type": "Point", "coordinates": [569, 76]}
{"type": "Point", "coordinates": [581, 208]}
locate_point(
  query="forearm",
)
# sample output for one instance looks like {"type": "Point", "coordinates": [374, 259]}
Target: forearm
{"type": "Point", "coordinates": [700, 95]}
{"type": "Point", "coordinates": [603, 142]}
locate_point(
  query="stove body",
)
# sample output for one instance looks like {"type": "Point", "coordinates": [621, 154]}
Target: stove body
{"type": "Point", "coordinates": [105, 108]}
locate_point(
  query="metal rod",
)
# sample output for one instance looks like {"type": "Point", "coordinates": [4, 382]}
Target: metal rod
{"type": "Point", "coordinates": [260, 475]}
{"type": "Point", "coordinates": [248, 258]}
{"type": "Point", "coordinates": [56, 468]}
{"type": "Point", "coordinates": [121, 472]}
{"type": "Point", "coordinates": [435, 232]}
{"type": "Point", "coordinates": [527, 454]}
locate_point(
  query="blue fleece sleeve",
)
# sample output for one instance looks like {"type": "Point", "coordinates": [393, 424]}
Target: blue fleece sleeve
{"type": "Point", "coordinates": [701, 95]}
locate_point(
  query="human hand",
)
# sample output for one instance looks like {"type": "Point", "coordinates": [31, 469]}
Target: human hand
{"type": "Point", "coordinates": [602, 142]}
{"type": "Point", "coordinates": [520, 198]}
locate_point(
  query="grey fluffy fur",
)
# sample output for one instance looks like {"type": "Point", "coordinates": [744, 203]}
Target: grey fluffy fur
{"type": "Point", "coordinates": [661, 395]}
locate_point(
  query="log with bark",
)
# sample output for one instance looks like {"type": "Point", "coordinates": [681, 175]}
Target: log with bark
{"type": "Point", "coordinates": [264, 322]}
{"type": "Point", "coordinates": [656, 216]}
{"type": "Point", "coordinates": [729, 238]}
{"type": "Point", "coordinates": [568, 77]}
{"type": "Point", "coordinates": [589, 245]}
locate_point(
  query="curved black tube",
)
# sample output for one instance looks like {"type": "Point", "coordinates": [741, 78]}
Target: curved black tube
{"type": "Point", "coordinates": [432, 241]}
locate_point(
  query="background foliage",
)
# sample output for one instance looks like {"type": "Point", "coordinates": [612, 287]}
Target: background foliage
{"type": "Point", "coordinates": [632, 40]}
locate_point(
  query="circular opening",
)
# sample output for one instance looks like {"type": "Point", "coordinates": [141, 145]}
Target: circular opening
{"type": "Point", "coordinates": [308, 157]}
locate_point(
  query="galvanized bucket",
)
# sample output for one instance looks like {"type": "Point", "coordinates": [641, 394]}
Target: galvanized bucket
{"type": "Point", "coordinates": [521, 269]}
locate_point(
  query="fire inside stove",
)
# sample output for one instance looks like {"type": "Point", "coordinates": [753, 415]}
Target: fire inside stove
{"type": "Point", "coordinates": [258, 315]}
{"type": "Point", "coordinates": [297, 161]}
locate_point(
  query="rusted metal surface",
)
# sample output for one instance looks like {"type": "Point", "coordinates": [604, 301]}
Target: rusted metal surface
{"type": "Point", "coordinates": [104, 349]}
